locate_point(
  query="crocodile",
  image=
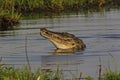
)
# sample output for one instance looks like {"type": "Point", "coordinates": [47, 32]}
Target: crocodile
{"type": "Point", "coordinates": [63, 40]}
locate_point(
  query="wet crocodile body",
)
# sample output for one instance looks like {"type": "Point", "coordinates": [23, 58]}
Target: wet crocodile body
{"type": "Point", "coordinates": [63, 40]}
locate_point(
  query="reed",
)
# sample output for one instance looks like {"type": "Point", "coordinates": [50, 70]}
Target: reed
{"type": "Point", "coordinates": [9, 73]}
{"type": "Point", "coordinates": [8, 19]}
{"type": "Point", "coordinates": [54, 6]}
{"type": "Point", "coordinates": [110, 75]}
{"type": "Point", "coordinates": [27, 6]}
{"type": "Point", "coordinates": [8, 16]}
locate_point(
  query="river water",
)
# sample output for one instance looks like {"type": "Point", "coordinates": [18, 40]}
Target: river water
{"type": "Point", "coordinates": [100, 31]}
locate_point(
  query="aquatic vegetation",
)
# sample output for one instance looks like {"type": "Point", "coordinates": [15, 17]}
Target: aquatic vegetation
{"type": "Point", "coordinates": [110, 75]}
{"type": "Point", "coordinates": [8, 16]}
{"type": "Point", "coordinates": [8, 20]}
{"type": "Point", "coordinates": [9, 73]}
{"type": "Point", "coordinates": [11, 10]}
{"type": "Point", "coordinates": [27, 6]}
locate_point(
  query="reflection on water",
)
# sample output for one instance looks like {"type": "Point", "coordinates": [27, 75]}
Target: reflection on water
{"type": "Point", "coordinates": [66, 51]}
{"type": "Point", "coordinates": [52, 60]}
{"type": "Point", "coordinates": [101, 34]}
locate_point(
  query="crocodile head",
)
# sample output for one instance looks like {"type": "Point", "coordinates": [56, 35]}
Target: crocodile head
{"type": "Point", "coordinates": [62, 40]}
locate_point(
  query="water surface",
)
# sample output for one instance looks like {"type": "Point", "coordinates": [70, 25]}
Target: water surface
{"type": "Point", "coordinates": [99, 31]}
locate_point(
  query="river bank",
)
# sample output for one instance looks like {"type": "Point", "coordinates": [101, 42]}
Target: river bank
{"type": "Point", "coordinates": [13, 10]}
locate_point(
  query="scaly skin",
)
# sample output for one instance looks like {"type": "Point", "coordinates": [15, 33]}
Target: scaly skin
{"type": "Point", "coordinates": [63, 40]}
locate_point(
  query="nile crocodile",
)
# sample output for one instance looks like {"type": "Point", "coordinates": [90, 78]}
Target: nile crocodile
{"type": "Point", "coordinates": [63, 40]}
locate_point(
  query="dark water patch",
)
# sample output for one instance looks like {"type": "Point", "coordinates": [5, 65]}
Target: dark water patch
{"type": "Point", "coordinates": [111, 36]}
{"type": "Point", "coordinates": [21, 39]}
{"type": "Point", "coordinates": [101, 53]}
{"type": "Point", "coordinates": [49, 60]}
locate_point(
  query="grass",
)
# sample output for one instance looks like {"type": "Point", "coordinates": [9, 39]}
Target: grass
{"type": "Point", "coordinates": [31, 6]}
{"type": "Point", "coordinates": [9, 73]}
{"type": "Point", "coordinates": [110, 75]}
{"type": "Point", "coordinates": [8, 19]}
{"type": "Point", "coordinates": [8, 16]}
{"type": "Point", "coordinates": [12, 10]}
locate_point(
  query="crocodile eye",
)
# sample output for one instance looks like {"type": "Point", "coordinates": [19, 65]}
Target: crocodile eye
{"type": "Point", "coordinates": [46, 32]}
{"type": "Point", "coordinates": [73, 44]}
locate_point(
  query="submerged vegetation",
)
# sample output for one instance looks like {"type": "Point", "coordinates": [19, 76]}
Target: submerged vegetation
{"type": "Point", "coordinates": [11, 10]}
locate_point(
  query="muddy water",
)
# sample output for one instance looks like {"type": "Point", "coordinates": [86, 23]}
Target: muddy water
{"type": "Point", "coordinates": [99, 31]}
